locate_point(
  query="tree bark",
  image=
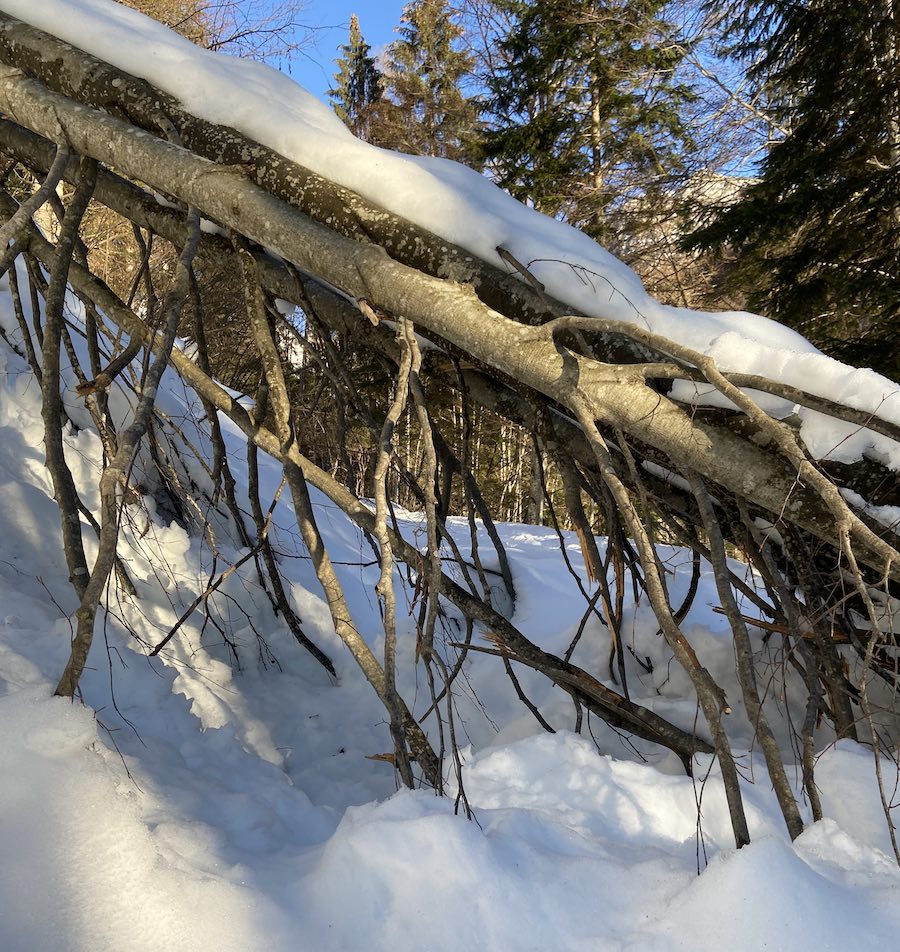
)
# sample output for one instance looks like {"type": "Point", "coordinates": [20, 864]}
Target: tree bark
{"type": "Point", "coordinates": [617, 395]}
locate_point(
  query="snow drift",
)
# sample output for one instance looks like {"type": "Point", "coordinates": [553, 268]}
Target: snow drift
{"type": "Point", "coordinates": [228, 793]}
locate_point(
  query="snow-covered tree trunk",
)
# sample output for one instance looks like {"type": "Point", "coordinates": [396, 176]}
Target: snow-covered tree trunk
{"type": "Point", "coordinates": [623, 409]}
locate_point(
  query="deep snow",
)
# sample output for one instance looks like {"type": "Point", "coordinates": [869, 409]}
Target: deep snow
{"type": "Point", "coordinates": [195, 803]}
{"type": "Point", "coordinates": [206, 805]}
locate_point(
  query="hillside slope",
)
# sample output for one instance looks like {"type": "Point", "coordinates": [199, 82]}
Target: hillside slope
{"type": "Point", "coordinates": [219, 797]}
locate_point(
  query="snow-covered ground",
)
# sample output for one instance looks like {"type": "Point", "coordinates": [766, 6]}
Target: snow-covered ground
{"type": "Point", "coordinates": [194, 803]}
{"type": "Point", "coordinates": [218, 799]}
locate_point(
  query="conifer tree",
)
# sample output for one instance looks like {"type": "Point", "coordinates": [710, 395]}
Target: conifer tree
{"type": "Point", "coordinates": [429, 113]}
{"type": "Point", "coordinates": [586, 111]}
{"type": "Point", "coordinates": [817, 237]}
{"type": "Point", "coordinates": [358, 84]}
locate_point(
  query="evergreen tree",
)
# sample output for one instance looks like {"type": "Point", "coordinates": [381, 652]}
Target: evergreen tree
{"type": "Point", "coordinates": [429, 113]}
{"type": "Point", "coordinates": [358, 83]}
{"type": "Point", "coordinates": [586, 109]}
{"type": "Point", "coordinates": [817, 237]}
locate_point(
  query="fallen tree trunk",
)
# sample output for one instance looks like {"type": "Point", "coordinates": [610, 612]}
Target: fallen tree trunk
{"type": "Point", "coordinates": [618, 395]}
{"type": "Point", "coordinates": [622, 438]}
{"type": "Point", "coordinates": [92, 82]}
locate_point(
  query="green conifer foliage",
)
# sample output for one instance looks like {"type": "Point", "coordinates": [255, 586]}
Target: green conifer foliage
{"type": "Point", "coordinates": [358, 84]}
{"type": "Point", "coordinates": [429, 114]}
{"type": "Point", "coordinates": [585, 109]}
{"type": "Point", "coordinates": [817, 237]}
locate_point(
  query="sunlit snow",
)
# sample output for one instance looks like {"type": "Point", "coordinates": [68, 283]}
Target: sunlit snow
{"type": "Point", "coordinates": [210, 805]}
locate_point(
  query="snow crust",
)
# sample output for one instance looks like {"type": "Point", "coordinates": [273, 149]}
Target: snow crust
{"type": "Point", "coordinates": [195, 803]}
{"type": "Point", "coordinates": [463, 207]}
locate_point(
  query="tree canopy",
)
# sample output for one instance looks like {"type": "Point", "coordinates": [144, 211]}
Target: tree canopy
{"type": "Point", "coordinates": [427, 112]}
{"type": "Point", "coordinates": [815, 237]}
{"type": "Point", "coordinates": [586, 110]}
{"type": "Point", "coordinates": [358, 83]}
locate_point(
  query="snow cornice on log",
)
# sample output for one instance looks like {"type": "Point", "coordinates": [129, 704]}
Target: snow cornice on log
{"type": "Point", "coordinates": [618, 395]}
{"type": "Point", "coordinates": [82, 77]}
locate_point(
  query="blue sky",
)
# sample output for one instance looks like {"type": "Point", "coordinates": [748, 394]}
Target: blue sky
{"type": "Point", "coordinates": [314, 67]}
